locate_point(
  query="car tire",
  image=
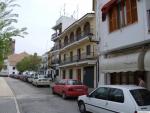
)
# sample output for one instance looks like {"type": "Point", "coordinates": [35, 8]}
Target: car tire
{"type": "Point", "coordinates": [82, 108]}
{"type": "Point", "coordinates": [64, 95]}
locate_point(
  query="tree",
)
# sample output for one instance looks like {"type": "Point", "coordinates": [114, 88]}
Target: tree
{"type": "Point", "coordinates": [31, 63]}
{"type": "Point", "coordinates": [7, 28]}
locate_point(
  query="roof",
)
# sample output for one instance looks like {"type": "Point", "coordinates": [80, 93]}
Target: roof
{"type": "Point", "coordinates": [127, 87]}
{"type": "Point", "coordinates": [15, 58]}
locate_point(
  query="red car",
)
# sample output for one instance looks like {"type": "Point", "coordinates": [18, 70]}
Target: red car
{"type": "Point", "coordinates": [69, 88]}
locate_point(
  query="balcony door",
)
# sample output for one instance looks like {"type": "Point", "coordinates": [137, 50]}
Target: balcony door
{"type": "Point", "coordinates": [71, 56]}
{"type": "Point", "coordinates": [78, 54]}
{"type": "Point", "coordinates": [79, 74]}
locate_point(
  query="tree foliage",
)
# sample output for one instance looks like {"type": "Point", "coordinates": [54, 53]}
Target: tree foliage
{"type": "Point", "coordinates": [7, 27]}
{"type": "Point", "coordinates": [31, 63]}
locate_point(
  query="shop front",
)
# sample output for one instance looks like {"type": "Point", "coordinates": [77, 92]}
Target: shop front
{"type": "Point", "coordinates": [122, 69]}
{"type": "Point", "coordinates": [147, 68]}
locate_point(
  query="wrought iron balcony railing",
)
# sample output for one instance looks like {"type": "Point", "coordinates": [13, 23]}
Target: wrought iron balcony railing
{"type": "Point", "coordinates": [77, 38]}
{"type": "Point", "coordinates": [78, 58]}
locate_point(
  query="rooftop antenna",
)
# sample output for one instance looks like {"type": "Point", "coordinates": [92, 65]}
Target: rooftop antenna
{"type": "Point", "coordinates": [64, 9]}
{"type": "Point", "coordinates": [77, 11]}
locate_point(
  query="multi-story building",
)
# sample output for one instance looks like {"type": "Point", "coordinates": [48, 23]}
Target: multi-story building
{"type": "Point", "coordinates": [44, 64]}
{"type": "Point", "coordinates": [61, 24]}
{"type": "Point", "coordinates": [78, 51]}
{"type": "Point", "coordinates": [123, 27]}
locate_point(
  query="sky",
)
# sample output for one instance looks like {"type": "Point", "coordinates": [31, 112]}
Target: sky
{"type": "Point", "coordinates": [39, 16]}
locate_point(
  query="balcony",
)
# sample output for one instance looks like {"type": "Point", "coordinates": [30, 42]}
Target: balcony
{"type": "Point", "coordinates": [55, 61]}
{"type": "Point", "coordinates": [77, 58]}
{"type": "Point", "coordinates": [148, 15]}
{"type": "Point", "coordinates": [55, 48]}
{"type": "Point", "coordinates": [54, 36]}
{"type": "Point", "coordinates": [79, 38]}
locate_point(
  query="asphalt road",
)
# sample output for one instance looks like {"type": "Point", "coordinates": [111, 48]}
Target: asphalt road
{"type": "Point", "coordinates": [30, 99]}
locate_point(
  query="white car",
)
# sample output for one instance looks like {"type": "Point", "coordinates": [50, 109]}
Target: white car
{"type": "Point", "coordinates": [116, 99]}
{"type": "Point", "coordinates": [41, 80]}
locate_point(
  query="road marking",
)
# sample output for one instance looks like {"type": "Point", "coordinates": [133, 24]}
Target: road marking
{"type": "Point", "coordinates": [15, 99]}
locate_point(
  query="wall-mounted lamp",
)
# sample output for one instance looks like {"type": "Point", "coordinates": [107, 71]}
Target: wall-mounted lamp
{"type": "Point", "coordinates": [91, 37]}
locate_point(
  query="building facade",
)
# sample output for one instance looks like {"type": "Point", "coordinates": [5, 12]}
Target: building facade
{"type": "Point", "coordinates": [11, 62]}
{"type": "Point", "coordinates": [44, 64]}
{"type": "Point", "coordinates": [123, 27]}
{"type": "Point", "coordinates": [77, 51]}
{"type": "Point", "coordinates": [53, 58]}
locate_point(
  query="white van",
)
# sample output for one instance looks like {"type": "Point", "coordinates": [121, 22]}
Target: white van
{"type": "Point", "coordinates": [116, 99]}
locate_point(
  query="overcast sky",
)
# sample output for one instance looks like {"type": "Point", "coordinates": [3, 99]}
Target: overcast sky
{"type": "Point", "coordinates": [39, 16]}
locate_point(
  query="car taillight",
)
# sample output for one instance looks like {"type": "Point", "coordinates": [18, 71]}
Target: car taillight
{"type": "Point", "coordinates": [70, 89]}
{"type": "Point", "coordinates": [86, 88]}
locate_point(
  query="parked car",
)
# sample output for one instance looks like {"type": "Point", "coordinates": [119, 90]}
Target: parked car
{"type": "Point", "coordinates": [31, 77]}
{"type": "Point", "coordinates": [116, 99]}
{"type": "Point", "coordinates": [69, 88]}
{"type": "Point", "coordinates": [41, 80]}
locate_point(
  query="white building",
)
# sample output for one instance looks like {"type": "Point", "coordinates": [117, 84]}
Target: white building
{"type": "Point", "coordinates": [123, 27]}
{"type": "Point", "coordinates": [11, 62]}
{"type": "Point", "coordinates": [44, 64]}
{"type": "Point", "coordinates": [59, 28]}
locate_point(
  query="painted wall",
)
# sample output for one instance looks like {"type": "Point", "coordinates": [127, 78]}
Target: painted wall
{"type": "Point", "coordinates": [130, 35]}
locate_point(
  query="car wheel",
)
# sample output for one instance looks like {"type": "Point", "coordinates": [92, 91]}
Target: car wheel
{"type": "Point", "coordinates": [82, 108]}
{"type": "Point", "coordinates": [64, 95]}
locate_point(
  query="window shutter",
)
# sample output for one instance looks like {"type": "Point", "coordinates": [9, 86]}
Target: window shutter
{"type": "Point", "coordinates": [110, 22]}
{"type": "Point", "coordinates": [134, 11]}
{"type": "Point", "coordinates": [129, 15]}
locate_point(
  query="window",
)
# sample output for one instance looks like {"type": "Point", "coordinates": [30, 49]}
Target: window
{"type": "Point", "coordinates": [131, 7]}
{"type": "Point", "coordinates": [141, 96]}
{"type": "Point", "coordinates": [72, 37]}
{"type": "Point", "coordinates": [87, 28]}
{"type": "Point", "coordinates": [74, 82]}
{"type": "Point", "coordinates": [64, 57]}
{"type": "Point", "coordinates": [64, 74]}
{"type": "Point", "coordinates": [66, 40]}
{"type": "Point", "coordinates": [71, 56]}
{"type": "Point", "coordinates": [122, 14]}
{"type": "Point", "coordinates": [113, 19]}
{"type": "Point", "coordinates": [88, 49]}
{"type": "Point", "coordinates": [70, 74]}
{"type": "Point", "coordinates": [116, 95]}
{"type": "Point", "coordinates": [100, 93]}
{"type": "Point", "coordinates": [78, 33]}
{"type": "Point", "coordinates": [14, 68]}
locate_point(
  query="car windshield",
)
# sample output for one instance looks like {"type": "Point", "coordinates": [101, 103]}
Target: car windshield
{"type": "Point", "coordinates": [141, 96]}
{"type": "Point", "coordinates": [74, 82]}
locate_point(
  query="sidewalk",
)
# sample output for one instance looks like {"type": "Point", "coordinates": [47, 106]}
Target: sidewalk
{"type": "Point", "coordinates": [5, 90]}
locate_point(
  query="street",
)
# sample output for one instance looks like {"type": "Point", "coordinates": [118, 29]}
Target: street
{"type": "Point", "coordinates": [25, 98]}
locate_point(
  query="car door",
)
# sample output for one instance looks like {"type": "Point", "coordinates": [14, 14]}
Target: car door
{"type": "Point", "coordinates": [97, 100]}
{"type": "Point", "coordinates": [57, 87]}
{"type": "Point", "coordinates": [116, 101]}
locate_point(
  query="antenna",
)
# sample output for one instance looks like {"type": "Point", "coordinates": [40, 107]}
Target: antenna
{"type": "Point", "coordinates": [64, 9]}
{"type": "Point", "coordinates": [77, 11]}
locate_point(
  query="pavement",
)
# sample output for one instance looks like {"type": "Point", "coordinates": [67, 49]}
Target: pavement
{"type": "Point", "coordinates": [5, 90]}
{"type": "Point", "coordinates": [7, 99]}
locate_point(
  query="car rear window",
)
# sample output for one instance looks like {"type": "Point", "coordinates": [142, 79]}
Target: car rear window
{"type": "Point", "coordinates": [141, 96]}
{"type": "Point", "coordinates": [74, 82]}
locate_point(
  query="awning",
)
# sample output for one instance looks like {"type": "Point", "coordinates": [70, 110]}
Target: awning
{"type": "Point", "coordinates": [130, 62]}
{"type": "Point", "coordinates": [147, 61]}
{"type": "Point", "coordinates": [108, 6]}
